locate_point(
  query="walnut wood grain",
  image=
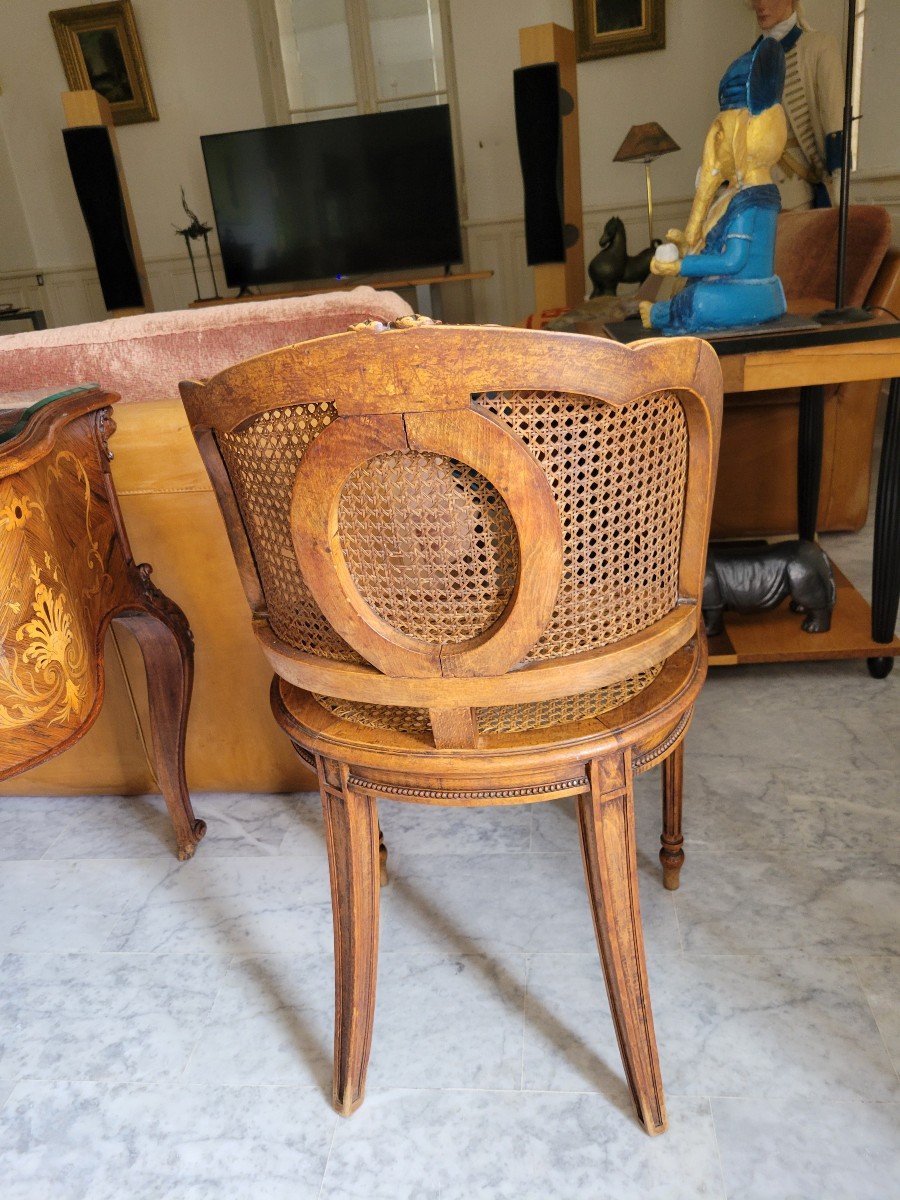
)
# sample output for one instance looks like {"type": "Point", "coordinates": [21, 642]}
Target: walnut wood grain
{"type": "Point", "coordinates": [435, 642]}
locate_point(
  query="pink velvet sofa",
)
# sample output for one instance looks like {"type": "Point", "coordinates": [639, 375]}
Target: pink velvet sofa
{"type": "Point", "coordinates": [174, 523]}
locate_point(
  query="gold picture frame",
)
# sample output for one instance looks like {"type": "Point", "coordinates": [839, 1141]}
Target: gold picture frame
{"type": "Point", "coordinates": [100, 50]}
{"type": "Point", "coordinates": [606, 28]}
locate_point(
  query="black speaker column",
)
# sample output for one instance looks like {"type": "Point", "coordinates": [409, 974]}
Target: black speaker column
{"type": "Point", "coordinates": [93, 160]}
{"type": "Point", "coordinates": [539, 133]}
{"type": "Point", "coordinates": [545, 89]}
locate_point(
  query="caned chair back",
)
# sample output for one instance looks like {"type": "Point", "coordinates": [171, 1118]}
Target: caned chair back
{"type": "Point", "coordinates": [467, 529]}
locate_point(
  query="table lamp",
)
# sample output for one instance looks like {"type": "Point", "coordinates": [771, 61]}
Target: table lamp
{"type": "Point", "coordinates": [643, 143]}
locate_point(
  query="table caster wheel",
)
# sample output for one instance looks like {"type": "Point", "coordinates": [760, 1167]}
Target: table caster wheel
{"type": "Point", "coordinates": [880, 668]}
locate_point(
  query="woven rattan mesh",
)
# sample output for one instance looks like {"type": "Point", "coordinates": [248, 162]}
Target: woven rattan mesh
{"type": "Point", "coordinates": [430, 545]}
{"type": "Point", "coordinates": [503, 718]}
{"type": "Point", "coordinates": [262, 460]}
{"type": "Point", "coordinates": [618, 476]}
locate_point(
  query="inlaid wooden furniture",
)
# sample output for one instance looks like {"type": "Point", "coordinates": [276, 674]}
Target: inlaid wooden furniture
{"type": "Point", "coordinates": [474, 557]}
{"type": "Point", "coordinates": [66, 572]}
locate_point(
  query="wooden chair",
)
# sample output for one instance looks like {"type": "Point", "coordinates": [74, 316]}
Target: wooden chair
{"type": "Point", "coordinates": [66, 572]}
{"type": "Point", "coordinates": [474, 558]}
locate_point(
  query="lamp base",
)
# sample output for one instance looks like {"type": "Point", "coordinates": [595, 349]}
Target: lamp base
{"type": "Point", "coordinates": [844, 316]}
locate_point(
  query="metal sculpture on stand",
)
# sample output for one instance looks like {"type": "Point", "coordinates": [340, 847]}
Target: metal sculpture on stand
{"type": "Point", "coordinates": [198, 229]}
{"type": "Point", "coordinates": [614, 265]}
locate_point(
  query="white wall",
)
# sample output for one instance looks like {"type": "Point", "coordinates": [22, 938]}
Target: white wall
{"type": "Point", "coordinates": [201, 62]}
{"type": "Point", "coordinates": [208, 75]}
{"type": "Point", "coordinates": [16, 250]}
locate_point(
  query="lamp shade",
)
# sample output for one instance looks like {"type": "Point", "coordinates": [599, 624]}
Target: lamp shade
{"type": "Point", "coordinates": [643, 143]}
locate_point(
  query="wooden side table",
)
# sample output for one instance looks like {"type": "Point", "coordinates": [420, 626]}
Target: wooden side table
{"type": "Point", "coordinates": [66, 571]}
{"type": "Point", "coordinates": [810, 357]}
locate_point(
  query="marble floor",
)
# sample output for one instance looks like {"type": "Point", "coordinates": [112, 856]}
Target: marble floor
{"type": "Point", "coordinates": [165, 1028]}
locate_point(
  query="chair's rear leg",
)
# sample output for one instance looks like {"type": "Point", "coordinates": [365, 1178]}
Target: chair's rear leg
{"type": "Point", "coordinates": [382, 858]}
{"type": "Point", "coordinates": [352, 835]}
{"type": "Point", "coordinates": [606, 826]}
{"type": "Point", "coordinates": [671, 854]}
{"type": "Point", "coordinates": [166, 646]}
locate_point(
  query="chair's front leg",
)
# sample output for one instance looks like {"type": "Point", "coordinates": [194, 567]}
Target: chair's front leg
{"type": "Point", "coordinates": [606, 826]}
{"type": "Point", "coordinates": [352, 834]}
{"type": "Point", "coordinates": [671, 854]}
{"type": "Point", "coordinates": [167, 647]}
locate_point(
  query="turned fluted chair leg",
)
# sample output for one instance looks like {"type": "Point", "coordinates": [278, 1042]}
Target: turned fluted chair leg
{"type": "Point", "coordinates": [352, 835]}
{"type": "Point", "coordinates": [382, 859]}
{"type": "Point", "coordinates": [671, 854]}
{"type": "Point", "coordinates": [606, 826]}
{"type": "Point", "coordinates": [166, 646]}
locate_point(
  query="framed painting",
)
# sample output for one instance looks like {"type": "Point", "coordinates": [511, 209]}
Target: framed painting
{"type": "Point", "coordinates": [604, 28]}
{"type": "Point", "coordinates": [100, 50]}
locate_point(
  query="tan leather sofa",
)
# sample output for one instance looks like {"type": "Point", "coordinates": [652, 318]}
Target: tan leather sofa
{"type": "Point", "coordinates": [756, 489]}
{"type": "Point", "coordinates": [173, 522]}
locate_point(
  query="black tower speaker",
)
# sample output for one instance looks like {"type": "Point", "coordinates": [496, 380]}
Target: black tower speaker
{"type": "Point", "coordinates": [93, 167]}
{"type": "Point", "coordinates": [539, 111]}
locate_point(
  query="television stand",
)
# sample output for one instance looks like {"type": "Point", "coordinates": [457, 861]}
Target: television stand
{"type": "Point", "coordinates": [427, 288]}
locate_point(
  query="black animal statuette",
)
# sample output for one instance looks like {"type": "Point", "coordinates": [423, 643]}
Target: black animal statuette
{"type": "Point", "coordinates": [613, 265]}
{"type": "Point", "coordinates": [748, 581]}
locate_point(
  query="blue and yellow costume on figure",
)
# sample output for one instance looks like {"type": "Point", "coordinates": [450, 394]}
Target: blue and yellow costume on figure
{"type": "Point", "coordinates": [731, 281]}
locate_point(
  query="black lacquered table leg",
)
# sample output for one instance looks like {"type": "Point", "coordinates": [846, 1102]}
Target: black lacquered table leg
{"type": "Point", "coordinates": [809, 459]}
{"type": "Point", "coordinates": [886, 551]}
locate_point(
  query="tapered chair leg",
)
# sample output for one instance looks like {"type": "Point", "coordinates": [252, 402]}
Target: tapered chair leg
{"type": "Point", "coordinates": [166, 647]}
{"type": "Point", "coordinates": [351, 831]}
{"type": "Point", "coordinates": [672, 855]}
{"type": "Point", "coordinates": [606, 826]}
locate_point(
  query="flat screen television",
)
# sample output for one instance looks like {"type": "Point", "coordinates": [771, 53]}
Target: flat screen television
{"type": "Point", "coordinates": [348, 196]}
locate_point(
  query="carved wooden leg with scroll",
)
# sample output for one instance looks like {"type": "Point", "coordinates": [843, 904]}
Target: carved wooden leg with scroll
{"type": "Point", "coordinates": [671, 854]}
{"type": "Point", "coordinates": [351, 831]}
{"type": "Point", "coordinates": [167, 647]}
{"type": "Point", "coordinates": [606, 826]}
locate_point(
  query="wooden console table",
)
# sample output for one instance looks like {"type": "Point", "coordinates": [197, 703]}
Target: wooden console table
{"type": "Point", "coordinates": [811, 359]}
{"type": "Point", "coordinates": [427, 289]}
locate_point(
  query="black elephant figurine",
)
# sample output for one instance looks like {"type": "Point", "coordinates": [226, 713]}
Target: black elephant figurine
{"type": "Point", "coordinates": [613, 265]}
{"type": "Point", "coordinates": [748, 581]}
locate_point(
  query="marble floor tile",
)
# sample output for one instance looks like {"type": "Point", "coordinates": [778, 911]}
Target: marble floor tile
{"type": "Point", "coordinates": [242, 905]}
{"type": "Point", "coordinates": [880, 979]}
{"type": "Point", "coordinates": [515, 1146]}
{"type": "Point", "coordinates": [743, 805]}
{"type": "Point", "coordinates": [91, 1141]}
{"type": "Point", "coordinates": [471, 904]}
{"type": "Point", "coordinates": [6, 1088]}
{"type": "Point", "coordinates": [440, 1021]}
{"type": "Point", "coordinates": [70, 905]}
{"type": "Point", "coordinates": [554, 830]}
{"type": "Point", "coordinates": [305, 833]}
{"type": "Point", "coordinates": [238, 824]}
{"type": "Point", "coordinates": [103, 1016]}
{"type": "Point", "coordinates": [817, 1150]}
{"type": "Point", "coordinates": [430, 829]}
{"type": "Point", "coordinates": [742, 1026]}
{"type": "Point", "coordinates": [30, 824]}
{"type": "Point", "coordinates": [748, 903]}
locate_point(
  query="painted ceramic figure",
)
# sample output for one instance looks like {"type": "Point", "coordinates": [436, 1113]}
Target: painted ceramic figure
{"type": "Point", "coordinates": [731, 281]}
{"type": "Point", "coordinates": [809, 172]}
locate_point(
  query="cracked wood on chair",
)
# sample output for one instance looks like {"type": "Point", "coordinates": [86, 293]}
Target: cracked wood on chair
{"type": "Point", "coordinates": [474, 557]}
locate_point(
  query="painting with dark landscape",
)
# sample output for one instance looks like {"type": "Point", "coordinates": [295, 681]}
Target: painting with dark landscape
{"type": "Point", "coordinates": [606, 28]}
{"type": "Point", "coordinates": [613, 15]}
